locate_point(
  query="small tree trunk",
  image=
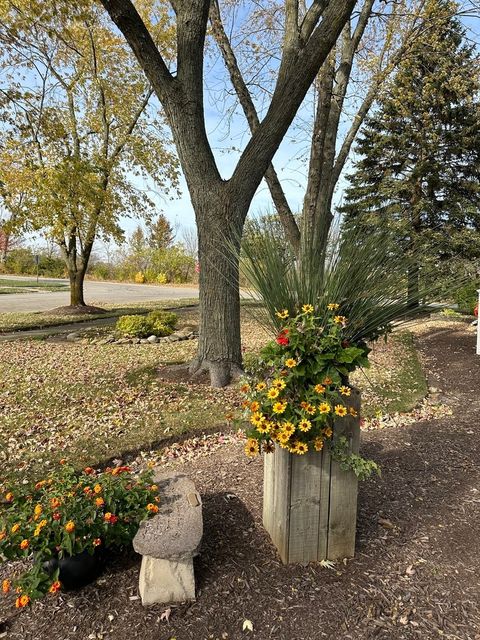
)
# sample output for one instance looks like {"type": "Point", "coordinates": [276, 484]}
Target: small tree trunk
{"type": "Point", "coordinates": [413, 287]}
{"type": "Point", "coordinates": [219, 346]}
{"type": "Point", "coordinates": [76, 276]}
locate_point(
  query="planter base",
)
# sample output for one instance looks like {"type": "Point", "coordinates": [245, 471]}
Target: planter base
{"type": "Point", "coordinates": [309, 502]}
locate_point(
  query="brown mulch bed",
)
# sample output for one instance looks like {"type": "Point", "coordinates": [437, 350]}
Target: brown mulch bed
{"type": "Point", "coordinates": [416, 573]}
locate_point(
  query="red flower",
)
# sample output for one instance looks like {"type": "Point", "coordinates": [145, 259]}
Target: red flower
{"type": "Point", "coordinates": [282, 338]}
{"type": "Point", "coordinates": [56, 515]}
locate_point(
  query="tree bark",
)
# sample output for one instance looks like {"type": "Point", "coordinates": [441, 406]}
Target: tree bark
{"type": "Point", "coordinates": [76, 277]}
{"type": "Point", "coordinates": [220, 222]}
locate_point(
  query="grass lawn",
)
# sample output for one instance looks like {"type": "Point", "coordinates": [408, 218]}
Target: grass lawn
{"type": "Point", "coordinates": [23, 321]}
{"type": "Point", "coordinates": [19, 286]}
{"type": "Point", "coordinates": [91, 402]}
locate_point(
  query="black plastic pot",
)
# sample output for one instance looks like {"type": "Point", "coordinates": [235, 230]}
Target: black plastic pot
{"type": "Point", "coordinates": [78, 570]}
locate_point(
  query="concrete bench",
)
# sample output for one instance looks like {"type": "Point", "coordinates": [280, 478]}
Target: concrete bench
{"type": "Point", "coordinates": [169, 541]}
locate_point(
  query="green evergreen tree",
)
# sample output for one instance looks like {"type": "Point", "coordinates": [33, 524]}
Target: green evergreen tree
{"type": "Point", "coordinates": [418, 172]}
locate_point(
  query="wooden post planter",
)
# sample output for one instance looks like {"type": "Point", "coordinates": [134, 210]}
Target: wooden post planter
{"type": "Point", "coordinates": [309, 502]}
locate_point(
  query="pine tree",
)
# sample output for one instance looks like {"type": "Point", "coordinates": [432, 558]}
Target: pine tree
{"type": "Point", "coordinates": [419, 169]}
{"type": "Point", "coordinates": [161, 233]}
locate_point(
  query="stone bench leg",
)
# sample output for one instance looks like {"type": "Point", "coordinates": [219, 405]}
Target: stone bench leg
{"type": "Point", "coordinates": [164, 581]}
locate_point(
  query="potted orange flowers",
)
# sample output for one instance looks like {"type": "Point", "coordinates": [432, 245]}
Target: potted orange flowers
{"type": "Point", "coordinates": [63, 521]}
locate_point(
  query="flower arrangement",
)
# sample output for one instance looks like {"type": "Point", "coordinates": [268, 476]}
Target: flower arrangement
{"type": "Point", "coordinates": [66, 514]}
{"type": "Point", "coordinates": [301, 383]}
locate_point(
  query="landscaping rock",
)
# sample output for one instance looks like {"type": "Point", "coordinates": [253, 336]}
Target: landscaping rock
{"type": "Point", "coordinates": [73, 337]}
{"type": "Point", "coordinates": [169, 541]}
{"type": "Point", "coordinates": [152, 339]}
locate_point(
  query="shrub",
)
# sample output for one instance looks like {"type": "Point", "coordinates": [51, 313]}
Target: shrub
{"type": "Point", "coordinates": [156, 323]}
{"type": "Point", "coordinates": [139, 277]}
{"type": "Point", "coordinates": [164, 317]}
{"type": "Point", "coordinates": [133, 326]}
{"type": "Point", "coordinates": [467, 297]}
{"type": "Point", "coordinates": [161, 278]}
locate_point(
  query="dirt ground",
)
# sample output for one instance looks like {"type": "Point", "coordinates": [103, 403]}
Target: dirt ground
{"type": "Point", "coordinates": [416, 573]}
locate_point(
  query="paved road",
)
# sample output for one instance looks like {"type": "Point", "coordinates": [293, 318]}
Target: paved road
{"type": "Point", "coordinates": [95, 292]}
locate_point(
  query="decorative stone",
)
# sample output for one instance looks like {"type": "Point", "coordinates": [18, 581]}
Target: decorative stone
{"type": "Point", "coordinates": [152, 339]}
{"type": "Point", "coordinates": [169, 541]}
{"type": "Point", "coordinates": [73, 337]}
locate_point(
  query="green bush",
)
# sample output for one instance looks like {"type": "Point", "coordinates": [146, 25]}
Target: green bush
{"type": "Point", "coordinates": [156, 323]}
{"type": "Point", "coordinates": [164, 317]}
{"type": "Point", "coordinates": [466, 298]}
{"type": "Point", "coordinates": [133, 326]}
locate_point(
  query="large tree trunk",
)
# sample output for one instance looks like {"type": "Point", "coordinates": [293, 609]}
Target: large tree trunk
{"type": "Point", "coordinates": [219, 233]}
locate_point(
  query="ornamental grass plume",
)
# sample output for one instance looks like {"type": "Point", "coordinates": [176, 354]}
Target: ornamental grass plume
{"type": "Point", "coordinates": [358, 275]}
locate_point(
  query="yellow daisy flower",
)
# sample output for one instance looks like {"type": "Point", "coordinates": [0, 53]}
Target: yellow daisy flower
{"type": "Point", "coordinates": [283, 437]}
{"type": "Point", "coordinates": [279, 407]}
{"type": "Point", "coordinates": [345, 391]}
{"type": "Point", "coordinates": [328, 432]}
{"type": "Point", "coordinates": [252, 448]}
{"type": "Point", "coordinates": [273, 393]}
{"type": "Point", "coordinates": [283, 314]}
{"type": "Point", "coordinates": [318, 444]}
{"type": "Point", "coordinates": [352, 412]}
{"type": "Point", "coordinates": [307, 308]}
{"type": "Point", "coordinates": [260, 386]}
{"type": "Point", "coordinates": [310, 409]}
{"type": "Point", "coordinates": [319, 388]}
{"type": "Point", "coordinates": [278, 383]}
{"type": "Point", "coordinates": [264, 427]}
{"type": "Point", "coordinates": [340, 410]}
{"type": "Point", "coordinates": [288, 427]}
{"type": "Point", "coordinates": [257, 419]}
{"type": "Point", "coordinates": [324, 408]}
{"type": "Point", "coordinates": [300, 448]}
{"type": "Point", "coordinates": [255, 406]}
{"type": "Point", "coordinates": [340, 320]}
{"type": "Point", "coordinates": [327, 381]}
{"type": "Point", "coordinates": [333, 306]}
{"type": "Point", "coordinates": [304, 425]}
{"type": "Point", "coordinates": [290, 363]}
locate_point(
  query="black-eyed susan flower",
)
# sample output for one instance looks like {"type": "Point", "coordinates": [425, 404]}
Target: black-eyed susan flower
{"type": "Point", "coordinates": [327, 381]}
{"type": "Point", "coordinates": [310, 409]}
{"type": "Point", "coordinates": [353, 412]}
{"type": "Point", "coordinates": [70, 526]}
{"type": "Point", "coordinates": [260, 386]}
{"type": "Point", "coordinates": [345, 391]}
{"type": "Point", "coordinates": [340, 410]}
{"type": "Point", "coordinates": [290, 363]}
{"type": "Point", "coordinates": [257, 418]}
{"type": "Point", "coordinates": [307, 308]}
{"type": "Point", "coordinates": [272, 393]}
{"type": "Point", "coordinates": [332, 306]}
{"type": "Point", "coordinates": [319, 388]}
{"type": "Point", "coordinates": [252, 448]}
{"type": "Point", "coordinates": [278, 383]}
{"type": "Point", "coordinates": [300, 448]}
{"type": "Point", "coordinates": [324, 408]}
{"type": "Point", "coordinates": [255, 406]}
{"type": "Point", "coordinates": [304, 425]}
{"type": "Point", "coordinates": [340, 320]}
{"type": "Point", "coordinates": [328, 432]}
{"type": "Point", "coordinates": [279, 407]}
{"type": "Point", "coordinates": [283, 314]}
{"type": "Point", "coordinates": [318, 444]}
{"type": "Point", "coordinates": [288, 427]}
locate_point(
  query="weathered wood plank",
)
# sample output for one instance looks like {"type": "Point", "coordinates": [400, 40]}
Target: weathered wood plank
{"type": "Point", "coordinates": [304, 507]}
{"type": "Point", "coordinates": [281, 501]}
{"type": "Point", "coordinates": [324, 510]}
{"type": "Point", "coordinates": [342, 517]}
{"type": "Point", "coordinates": [268, 489]}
